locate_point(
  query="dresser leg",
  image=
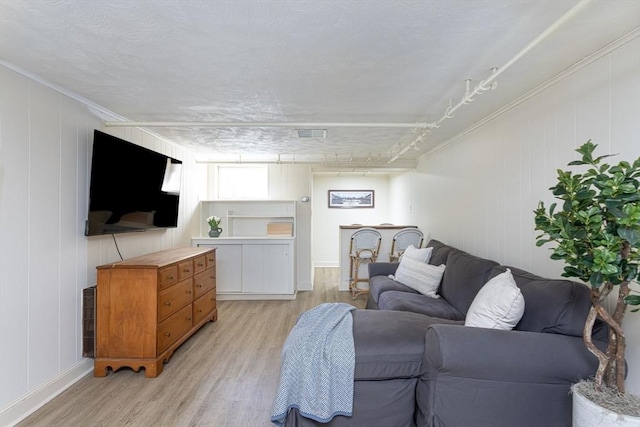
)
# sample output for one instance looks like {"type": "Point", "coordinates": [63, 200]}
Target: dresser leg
{"type": "Point", "coordinates": [99, 369]}
{"type": "Point", "coordinates": [152, 370]}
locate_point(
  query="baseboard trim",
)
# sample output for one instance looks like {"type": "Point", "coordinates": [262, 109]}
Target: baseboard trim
{"type": "Point", "coordinates": [326, 264]}
{"type": "Point", "coordinates": [34, 400]}
{"type": "Point", "coordinates": [305, 286]}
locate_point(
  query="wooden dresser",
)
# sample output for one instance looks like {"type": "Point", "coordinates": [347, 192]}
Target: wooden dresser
{"type": "Point", "coordinates": [149, 305]}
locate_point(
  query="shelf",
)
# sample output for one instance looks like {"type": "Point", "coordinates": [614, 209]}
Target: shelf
{"type": "Point", "coordinates": [249, 218]}
{"type": "Point", "coordinates": [259, 216]}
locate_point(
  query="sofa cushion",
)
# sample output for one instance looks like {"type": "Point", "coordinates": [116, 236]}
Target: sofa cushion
{"type": "Point", "coordinates": [389, 344]}
{"type": "Point", "coordinates": [418, 303]}
{"type": "Point", "coordinates": [439, 252]}
{"type": "Point", "coordinates": [554, 305]}
{"type": "Point", "coordinates": [421, 254]}
{"type": "Point", "coordinates": [498, 305]}
{"type": "Point", "coordinates": [463, 278]}
{"type": "Point", "coordinates": [380, 284]}
{"type": "Point", "coordinates": [520, 276]}
{"type": "Point", "coordinates": [422, 277]}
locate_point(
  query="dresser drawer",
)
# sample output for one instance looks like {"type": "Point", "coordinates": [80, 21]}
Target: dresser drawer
{"type": "Point", "coordinates": [204, 306]}
{"type": "Point", "coordinates": [185, 270]}
{"type": "Point", "coordinates": [211, 259]}
{"type": "Point", "coordinates": [203, 283]}
{"type": "Point", "coordinates": [174, 298]}
{"type": "Point", "coordinates": [201, 264]}
{"type": "Point", "coordinates": [174, 328]}
{"type": "Point", "coordinates": [168, 276]}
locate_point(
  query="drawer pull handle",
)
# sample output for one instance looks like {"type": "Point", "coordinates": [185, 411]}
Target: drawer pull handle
{"type": "Point", "coordinates": [189, 292]}
{"type": "Point", "coordinates": [186, 270]}
{"type": "Point", "coordinates": [189, 318]}
{"type": "Point", "coordinates": [168, 303]}
{"type": "Point", "coordinates": [170, 277]}
{"type": "Point", "coordinates": [200, 311]}
{"type": "Point", "coordinates": [198, 286]}
{"type": "Point", "coordinates": [212, 299]}
{"type": "Point", "coordinates": [167, 334]}
{"type": "Point", "coordinates": [200, 264]}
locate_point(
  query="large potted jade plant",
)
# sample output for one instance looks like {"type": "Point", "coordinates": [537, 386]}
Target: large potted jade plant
{"type": "Point", "coordinates": [595, 230]}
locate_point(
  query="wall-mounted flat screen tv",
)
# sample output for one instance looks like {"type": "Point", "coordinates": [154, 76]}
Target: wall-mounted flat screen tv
{"type": "Point", "coordinates": [132, 188]}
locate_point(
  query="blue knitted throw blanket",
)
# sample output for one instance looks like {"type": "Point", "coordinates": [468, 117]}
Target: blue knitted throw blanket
{"type": "Point", "coordinates": [318, 363]}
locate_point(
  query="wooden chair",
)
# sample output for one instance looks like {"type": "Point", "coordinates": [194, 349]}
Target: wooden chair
{"type": "Point", "coordinates": [402, 240]}
{"type": "Point", "coordinates": [364, 248]}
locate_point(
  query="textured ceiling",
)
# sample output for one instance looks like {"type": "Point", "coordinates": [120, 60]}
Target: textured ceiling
{"type": "Point", "coordinates": [378, 61]}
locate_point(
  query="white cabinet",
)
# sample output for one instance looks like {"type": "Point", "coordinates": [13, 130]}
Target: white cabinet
{"type": "Point", "coordinates": [266, 268]}
{"type": "Point", "coordinates": [253, 268]}
{"type": "Point", "coordinates": [229, 274]}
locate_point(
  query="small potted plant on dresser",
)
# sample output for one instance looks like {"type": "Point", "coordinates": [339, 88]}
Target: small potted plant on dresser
{"type": "Point", "coordinates": [596, 231]}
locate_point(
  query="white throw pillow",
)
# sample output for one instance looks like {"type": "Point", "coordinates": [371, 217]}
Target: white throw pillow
{"type": "Point", "coordinates": [422, 277]}
{"type": "Point", "coordinates": [498, 305]}
{"type": "Point", "coordinates": [422, 255]}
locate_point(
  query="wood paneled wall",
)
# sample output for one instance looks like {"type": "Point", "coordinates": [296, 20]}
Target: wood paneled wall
{"type": "Point", "coordinates": [479, 191]}
{"type": "Point", "coordinates": [45, 259]}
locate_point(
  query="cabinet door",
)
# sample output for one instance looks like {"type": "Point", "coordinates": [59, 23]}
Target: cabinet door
{"type": "Point", "coordinates": [229, 268]}
{"type": "Point", "coordinates": [267, 268]}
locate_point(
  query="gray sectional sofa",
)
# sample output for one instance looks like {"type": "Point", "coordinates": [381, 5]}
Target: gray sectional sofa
{"type": "Point", "coordinates": [418, 365]}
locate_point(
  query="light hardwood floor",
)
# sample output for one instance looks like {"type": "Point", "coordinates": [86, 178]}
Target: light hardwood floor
{"type": "Point", "coordinates": [224, 375]}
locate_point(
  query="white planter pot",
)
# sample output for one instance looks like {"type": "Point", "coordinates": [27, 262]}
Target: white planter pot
{"type": "Point", "coordinates": [588, 414]}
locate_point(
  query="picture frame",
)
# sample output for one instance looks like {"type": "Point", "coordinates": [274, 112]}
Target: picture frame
{"type": "Point", "coordinates": [351, 199]}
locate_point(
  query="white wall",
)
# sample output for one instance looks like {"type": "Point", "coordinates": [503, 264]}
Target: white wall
{"type": "Point", "coordinates": [326, 222]}
{"type": "Point", "coordinates": [478, 193]}
{"type": "Point", "coordinates": [45, 259]}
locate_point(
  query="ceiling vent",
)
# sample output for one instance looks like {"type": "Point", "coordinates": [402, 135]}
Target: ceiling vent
{"type": "Point", "coordinates": [312, 133]}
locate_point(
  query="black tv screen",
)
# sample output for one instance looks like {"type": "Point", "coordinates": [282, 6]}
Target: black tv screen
{"type": "Point", "coordinates": [132, 188]}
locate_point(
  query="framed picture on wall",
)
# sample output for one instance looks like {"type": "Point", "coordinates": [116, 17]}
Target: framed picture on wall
{"type": "Point", "coordinates": [351, 199]}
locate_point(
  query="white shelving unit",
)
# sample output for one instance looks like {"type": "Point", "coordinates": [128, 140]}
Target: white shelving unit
{"type": "Point", "coordinates": [251, 262]}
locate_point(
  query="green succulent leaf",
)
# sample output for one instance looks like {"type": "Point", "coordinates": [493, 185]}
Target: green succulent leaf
{"type": "Point", "coordinates": [628, 188]}
{"type": "Point", "coordinates": [613, 206]}
{"type": "Point", "coordinates": [599, 159]}
{"type": "Point", "coordinates": [630, 234]}
{"type": "Point", "coordinates": [632, 299]}
{"type": "Point", "coordinates": [596, 279]}
{"type": "Point", "coordinates": [632, 272]}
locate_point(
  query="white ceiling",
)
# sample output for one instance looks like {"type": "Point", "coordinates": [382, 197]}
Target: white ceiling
{"type": "Point", "coordinates": [312, 61]}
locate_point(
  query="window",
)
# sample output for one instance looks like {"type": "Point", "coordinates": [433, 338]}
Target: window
{"type": "Point", "coordinates": [243, 182]}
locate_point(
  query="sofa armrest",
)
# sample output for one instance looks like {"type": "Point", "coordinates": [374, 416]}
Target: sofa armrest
{"type": "Point", "coordinates": [514, 356]}
{"type": "Point", "coordinates": [488, 377]}
{"type": "Point", "coordinates": [382, 268]}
